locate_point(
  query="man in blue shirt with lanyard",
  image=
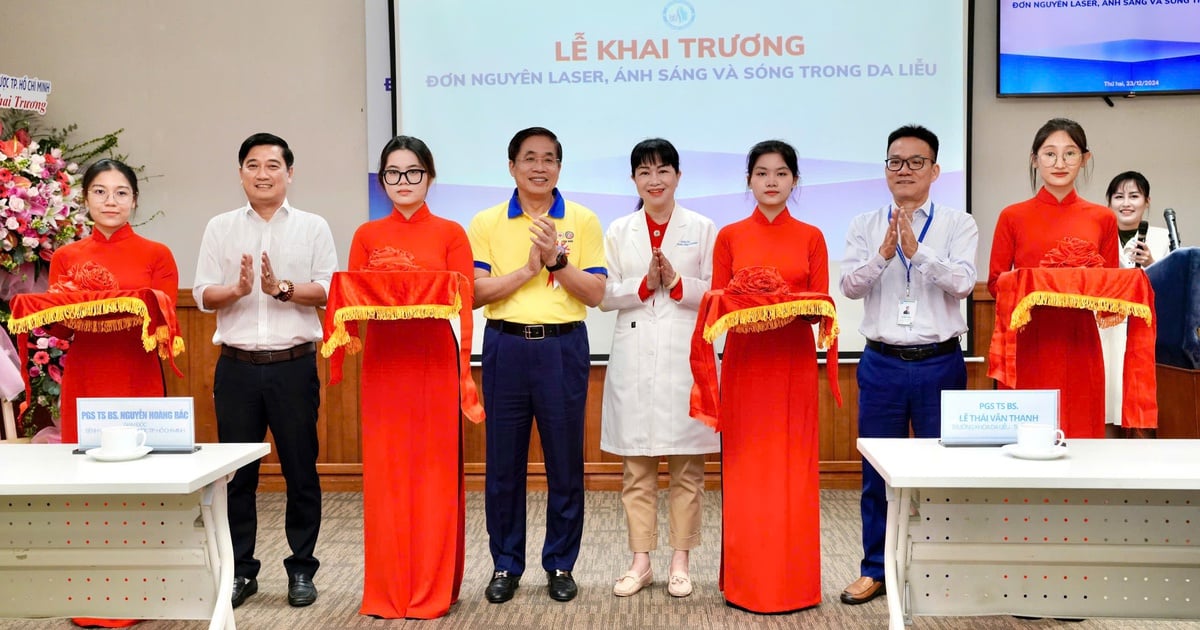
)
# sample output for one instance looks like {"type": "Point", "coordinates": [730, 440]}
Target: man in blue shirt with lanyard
{"type": "Point", "coordinates": [912, 264]}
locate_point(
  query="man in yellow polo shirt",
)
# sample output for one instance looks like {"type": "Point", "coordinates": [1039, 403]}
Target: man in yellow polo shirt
{"type": "Point", "coordinates": [539, 262]}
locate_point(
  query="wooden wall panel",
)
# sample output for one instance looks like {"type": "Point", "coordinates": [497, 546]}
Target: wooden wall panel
{"type": "Point", "coordinates": [340, 461]}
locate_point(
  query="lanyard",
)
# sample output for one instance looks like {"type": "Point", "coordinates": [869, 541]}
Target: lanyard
{"type": "Point", "coordinates": [899, 250]}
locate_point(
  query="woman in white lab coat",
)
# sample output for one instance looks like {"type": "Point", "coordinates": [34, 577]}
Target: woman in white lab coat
{"type": "Point", "coordinates": [659, 266]}
{"type": "Point", "coordinates": [1129, 197]}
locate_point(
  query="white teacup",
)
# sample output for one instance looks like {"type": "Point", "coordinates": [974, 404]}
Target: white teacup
{"type": "Point", "coordinates": [1039, 438]}
{"type": "Point", "coordinates": [119, 440]}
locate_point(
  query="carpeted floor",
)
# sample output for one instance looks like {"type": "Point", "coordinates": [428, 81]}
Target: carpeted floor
{"type": "Point", "coordinates": [602, 559]}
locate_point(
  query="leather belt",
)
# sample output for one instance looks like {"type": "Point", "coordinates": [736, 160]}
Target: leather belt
{"type": "Point", "coordinates": [267, 357]}
{"type": "Point", "coordinates": [532, 331]}
{"type": "Point", "coordinates": [915, 353]}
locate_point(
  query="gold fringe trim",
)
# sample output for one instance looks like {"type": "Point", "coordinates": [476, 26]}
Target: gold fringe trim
{"type": "Point", "coordinates": [1108, 320]}
{"type": "Point", "coordinates": [168, 346]}
{"type": "Point", "coordinates": [394, 313]}
{"type": "Point", "coordinates": [1023, 311]}
{"type": "Point", "coordinates": [771, 316]}
{"type": "Point", "coordinates": [68, 312]}
{"type": "Point", "coordinates": [763, 326]}
{"type": "Point", "coordinates": [103, 326]}
{"type": "Point", "coordinates": [71, 315]}
{"type": "Point", "coordinates": [339, 338]}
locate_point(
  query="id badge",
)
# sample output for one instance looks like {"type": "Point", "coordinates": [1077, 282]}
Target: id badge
{"type": "Point", "coordinates": [906, 312]}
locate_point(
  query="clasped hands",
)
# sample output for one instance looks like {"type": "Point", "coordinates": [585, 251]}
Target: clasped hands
{"type": "Point", "coordinates": [543, 250]}
{"type": "Point", "coordinates": [900, 231]}
{"type": "Point", "coordinates": [660, 273]}
{"type": "Point", "coordinates": [267, 281]}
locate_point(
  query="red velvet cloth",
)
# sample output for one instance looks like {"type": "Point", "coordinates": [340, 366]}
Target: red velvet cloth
{"type": "Point", "coordinates": [105, 311]}
{"type": "Point", "coordinates": [394, 295]}
{"type": "Point", "coordinates": [721, 311]}
{"type": "Point", "coordinates": [1125, 292]}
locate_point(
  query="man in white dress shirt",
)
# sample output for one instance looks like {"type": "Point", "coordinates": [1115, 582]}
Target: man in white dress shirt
{"type": "Point", "coordinates": [912, 263]}
{"type": "Point", "coordinates": [265, 268]}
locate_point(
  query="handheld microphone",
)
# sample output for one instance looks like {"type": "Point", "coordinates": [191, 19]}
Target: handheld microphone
{"type": "Point", "coordinates": [1172, 229]}
{"type": "Point", "coordinates": [1143, 227]}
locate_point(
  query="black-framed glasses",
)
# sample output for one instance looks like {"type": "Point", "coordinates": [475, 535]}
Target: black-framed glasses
{"type": "Point", "coordinates": [1070, 157]}
{"type": "Point", "coordinates": [393, 176]}
{"type": "Point", "coordinates": [916, 163]}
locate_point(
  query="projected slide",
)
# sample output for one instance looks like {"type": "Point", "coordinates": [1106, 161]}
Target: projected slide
{"type": "Point", "coordinates": [713, 77]}
{"type": "Point", "coordinates": [1119, 47]}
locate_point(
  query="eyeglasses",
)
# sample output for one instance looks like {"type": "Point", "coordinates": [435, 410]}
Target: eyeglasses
{"type": "Point", "coordinates": [531, 161]}
{"type": "Point", "coordinates": [120, 195]}
{"type": "Point", "coordinates": [916, 163]}
{"type": "Point", "coordinates": [1070, 157]}
{"type": "Point", "coordinates": [393, 176]}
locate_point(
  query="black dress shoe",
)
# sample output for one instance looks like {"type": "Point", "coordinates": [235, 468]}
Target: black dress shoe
{"type": "Point", "coordinates": [562, 585]}
{"type": "Point", "coordinates": [301, 590]}
{"type": "Point", "coordinates": [242, 588]}
{"type": "Point", "coordinates": [502, 587]}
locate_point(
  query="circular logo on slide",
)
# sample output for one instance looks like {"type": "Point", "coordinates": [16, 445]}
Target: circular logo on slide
{"type": "Point", "coordinates": [678, 14]}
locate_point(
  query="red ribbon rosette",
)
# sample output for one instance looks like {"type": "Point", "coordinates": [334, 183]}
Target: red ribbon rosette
{"type": "Point", "coordinates": [86, 276]}
{"type": "Point", "coordinates": [391, 259]}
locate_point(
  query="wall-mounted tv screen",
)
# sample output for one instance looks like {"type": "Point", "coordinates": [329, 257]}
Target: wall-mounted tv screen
{"type": "Point", "coordinates": [1105, 47]}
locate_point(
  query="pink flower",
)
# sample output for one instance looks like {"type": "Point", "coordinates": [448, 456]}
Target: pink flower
{"type": "Point", "coordinates": [63, 344]}
{"type": "Point", "coordinates": [35, 371]}
{"type": "Point", "coordinates": [55, 373]}
{"type": "Point", "coordinates": [41, 357]}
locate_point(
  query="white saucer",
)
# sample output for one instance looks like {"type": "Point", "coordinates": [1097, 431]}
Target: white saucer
{"type": "Point", "coordinates": [1015, 451]}
{"type": "Point", "coordinates": [124, 456]}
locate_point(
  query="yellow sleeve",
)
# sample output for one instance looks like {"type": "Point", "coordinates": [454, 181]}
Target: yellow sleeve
{"type": "Point", "coordinates": [591, 244]}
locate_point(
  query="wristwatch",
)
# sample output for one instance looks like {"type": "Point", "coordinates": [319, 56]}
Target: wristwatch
{"type": "Point", "coordinates": [286, 289]}
{"type": "Point", "coordinates": [559, 262]}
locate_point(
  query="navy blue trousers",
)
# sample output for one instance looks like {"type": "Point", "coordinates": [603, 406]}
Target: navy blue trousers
{"type": "Point", "coordinates": [891, 394]}
{"type": "Point", "coordinates": [527, 381]}
{"type": "Point", "coordinates": [283, 397]}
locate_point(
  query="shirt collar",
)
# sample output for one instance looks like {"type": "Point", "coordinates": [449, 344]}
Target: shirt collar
{"type": "Point", "coordinates": [421, 214]}
{"type": "Point", "coordinates": [1048, 197]}
{"type": "Point", "coordinates": [558, 209]}
{"type": "Point", "coordinates": [759, 217]}
{"type": "Point", "coordinates": [122, 233]}
{"type": "Point", "coordinates": [922, 209]}
{"type": "Point", "coordinates": [286, 207]}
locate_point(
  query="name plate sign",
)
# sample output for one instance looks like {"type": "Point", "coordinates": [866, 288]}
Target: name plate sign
{"type": "Point", "coordinates": [990, 417]}
{"type": "Point", "coordinates": [169, 423]}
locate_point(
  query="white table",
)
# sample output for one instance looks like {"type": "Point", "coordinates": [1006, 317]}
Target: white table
{"type": "Point", "coordinates": [141, 539]}
{"type": "Point", "coordinates": [1110, 530]}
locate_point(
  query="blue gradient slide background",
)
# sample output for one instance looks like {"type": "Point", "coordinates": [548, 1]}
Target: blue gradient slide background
{"type": "Point", "coordinates": [863, 72]}
{"type": "Point", "coordinates": [1050, 49]}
